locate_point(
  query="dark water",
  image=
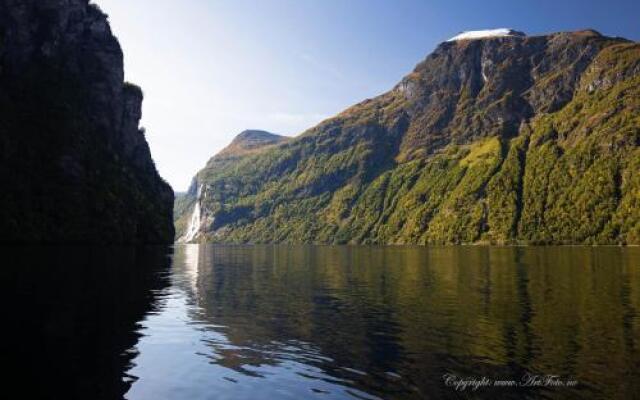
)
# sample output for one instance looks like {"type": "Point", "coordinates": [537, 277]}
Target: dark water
{"type": "Point", "coordinates": [323, 322]}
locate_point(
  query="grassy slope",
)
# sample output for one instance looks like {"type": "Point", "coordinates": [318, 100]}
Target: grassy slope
{"type": "Point", "coordinates": [568, 176]}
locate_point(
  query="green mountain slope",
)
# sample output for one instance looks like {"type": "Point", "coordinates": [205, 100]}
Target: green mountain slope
{"type": "Point", "coordinates": [501, 140]}
{"type": "Point", "coordinates": [248, 143]}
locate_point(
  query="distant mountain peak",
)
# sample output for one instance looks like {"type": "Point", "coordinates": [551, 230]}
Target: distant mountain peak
{"type": "Point", "coordinates": [486, 33]}
{"type": "Point", "coordinates": [256, 134]}
{"type": "Point", "coordinates": [251, 140]}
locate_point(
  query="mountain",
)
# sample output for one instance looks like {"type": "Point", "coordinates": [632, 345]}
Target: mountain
{"type": "Point", "coordinates": [251, 142]}
{"type": "Point", "coordinates": [493, 138]}
{"type": "Point", "coordinates": [74, 163]}
{"type": "Point", "coordinates": [246, 143]}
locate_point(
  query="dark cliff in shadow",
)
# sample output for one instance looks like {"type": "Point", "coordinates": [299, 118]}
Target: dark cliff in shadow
{"type": "Point", "coordinates": [74, 164]}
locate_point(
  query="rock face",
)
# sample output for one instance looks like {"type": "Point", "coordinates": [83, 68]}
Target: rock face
{"type": "Point", "coordinates": [499, 139]}
{"type": "Point", "coordinates": [74, 164]}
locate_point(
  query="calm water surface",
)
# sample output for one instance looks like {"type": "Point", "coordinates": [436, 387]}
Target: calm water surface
{"type": "Point", "coordinates": [283, 322]}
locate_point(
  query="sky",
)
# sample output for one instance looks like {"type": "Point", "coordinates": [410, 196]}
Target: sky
{"type": "Point", "coordinates": [213, 68]}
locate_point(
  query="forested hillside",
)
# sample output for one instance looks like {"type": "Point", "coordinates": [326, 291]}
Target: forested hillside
{"type": "Point", "coordinates": [514, 139]}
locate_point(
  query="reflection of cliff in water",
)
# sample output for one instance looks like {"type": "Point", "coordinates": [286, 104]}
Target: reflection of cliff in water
{"type": "Point", "coordinates": [71, 317]}
{"type": "Point", "coordinates": [392, 321]}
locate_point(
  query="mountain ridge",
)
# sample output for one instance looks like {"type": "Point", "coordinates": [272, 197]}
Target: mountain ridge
{"type": "Point", "coordinates": [475, 145]}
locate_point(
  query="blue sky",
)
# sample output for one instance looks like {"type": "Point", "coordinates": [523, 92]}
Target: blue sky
{"type": "Point", "coordinates": [210, 69]}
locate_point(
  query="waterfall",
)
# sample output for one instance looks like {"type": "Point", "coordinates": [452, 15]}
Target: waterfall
{"type": "Point", "coordinates": [194, 223]}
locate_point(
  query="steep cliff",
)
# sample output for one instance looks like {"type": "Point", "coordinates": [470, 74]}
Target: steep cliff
{"type": "Point", "coordinates": [492, 138]}
{"type": "Point", "coordinates": [74, 164]}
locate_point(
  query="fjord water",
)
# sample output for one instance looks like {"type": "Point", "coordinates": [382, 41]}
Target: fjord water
{"type": "Point", "coordinates": [330, 322]}
{"type": "Point", "coordinates": [70, 317]}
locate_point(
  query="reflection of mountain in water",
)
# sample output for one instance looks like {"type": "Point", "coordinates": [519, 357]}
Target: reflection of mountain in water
{"type": "Point", "coordinates": [391, 321]}
{"type": "Point", "coordinates": [71, 317]}
{"type": "Point", "coordinates": [334, 322]}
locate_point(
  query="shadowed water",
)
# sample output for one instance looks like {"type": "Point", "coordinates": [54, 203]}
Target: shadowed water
{"type": "Point", "coordinates": [339, 322]}
{"type": "Point", "coordinates": [70, 317]}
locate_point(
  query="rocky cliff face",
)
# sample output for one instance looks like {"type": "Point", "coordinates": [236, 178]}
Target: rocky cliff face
{"type": "Point", "coordinates": [497, 139]}
{"type": "Point", "coordinates": [74, 164]}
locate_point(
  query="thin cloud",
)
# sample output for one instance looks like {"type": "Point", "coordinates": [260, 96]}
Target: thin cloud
{"type": "Point", "coordinates": [323, 67]}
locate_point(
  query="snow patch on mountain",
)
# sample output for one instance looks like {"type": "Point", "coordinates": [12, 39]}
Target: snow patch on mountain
{"type": "Point", "coordinates": [486, 33]}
